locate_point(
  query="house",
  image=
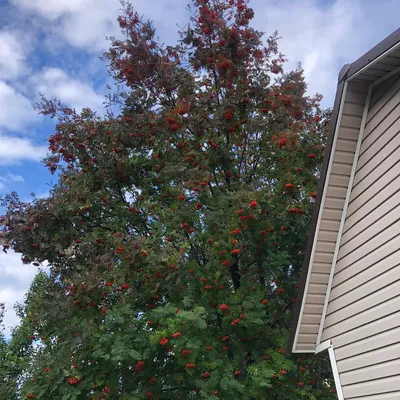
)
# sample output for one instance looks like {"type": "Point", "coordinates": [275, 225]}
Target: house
{"type": "Point", "coordinates": [349, 296]}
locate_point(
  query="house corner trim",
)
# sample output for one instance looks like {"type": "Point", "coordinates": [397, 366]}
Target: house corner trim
{"type": "Point", "coordinates": [335, 371]}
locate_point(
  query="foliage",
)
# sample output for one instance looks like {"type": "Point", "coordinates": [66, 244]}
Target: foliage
{"type": "Point", "coordinates": [176, 231]}
{"type": "Point", "coordinates": [8, 364]}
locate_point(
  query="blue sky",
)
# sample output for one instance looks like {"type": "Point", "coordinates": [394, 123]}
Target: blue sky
{"type": "Point", "coordinates": [53, 47]}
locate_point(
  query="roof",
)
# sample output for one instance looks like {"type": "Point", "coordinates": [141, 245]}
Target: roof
{"type": "Point", "coordinates": [381, 61]}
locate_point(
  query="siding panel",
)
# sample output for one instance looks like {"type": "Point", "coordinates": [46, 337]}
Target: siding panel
{"type": "Point", "coordinates": [359, 305]}
{"type": "Point", "coordinates": [367, 248]}
{"type": "Point", "coordinates": [311, 319]}
{"type": "Point", "coordinates": [326, 247]}
{"type": "Point", "coordinates": [363, 287]}
{"type": "Point", "coordinates": [346, 271]}
{"type": "Point", "coordinates": [374, 372]}
{"type": "Point", "coordinates": [369, 344]}
{"type": "Point", "coordinates": [321, 257]}
{"type": "Point", "coordinates": [369, 236]}
{"type": "Point", "coordinates": [373, 138]}
{"type": "Point", "coordinates": [363, 318]}
{"type": "Point", "coordinates": [349, 133]}
{"type": "Point", "coordinates": [369, 330]}
{"type": "Point", "coordinates": [318, 277]}
{"type": "Point", "coordinates": [354, 109]}
{"type": "Point", "coordinates": [386, 85]}
{"type": "Point", "coordinates": [355, 97]}
{"type": "Point", "coordinates": [330, 224]}
{"type": "Point", "coordinates": [309, 328]}
{"type": "Point", "coordinates": [311, 308]}
{"type": "Point", "coordinates": [382, 109]}
{"type": "Point", "coordinates": [363, 314]}
{"type": "Point", "coordinates": [373, 203]}
{"type": "Point", "coordinates": [336, 191]}
{"type": "Point", "coordinates": [343, 168]}
{"type": "Point", "coordinates": [346, 145]}
{"type": "Point", "coordinates": [369, 219]}
{"type": "Point", "coordinates": [339, 180]}
{"type": "Point", "coordinates": [327, 236]}
{"type": "Point", "coordinates": [387, 265]}
{"type": "Point", "coordinates": [384, 385]}
{"type": "Point", "coordinates": [305, 347]}
{"type": "Point", "coordinates": [307, 338]}
{"type": "Point", "coordinates": [375, 189]}
{"type": "Point", "coordinates": [332, 214]}
{"type": "Point", "coordinates": [384, 97]}
{"type": "Point", "coordinates": [377, 166]}
{"type": "Point", "coordinates": [318, 288]}
{"type": "Point", "coordinates": [344, 158]}
{"type": "Point", "coordinates": [324, 268]}
{"type": "Point", "coordinates": [351, 121]}
{"type": "Point", "coordinates": [368, 358]}
{"type": "Point", "coordinates": [382, 396]}
{"type": "Point", "coordinates": [337, 186]}
{"type": "Point", "coordinates": [315, 298]}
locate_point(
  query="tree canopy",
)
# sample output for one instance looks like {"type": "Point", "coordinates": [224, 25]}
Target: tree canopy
{"type": "Point", "coordinates": [176, 230]}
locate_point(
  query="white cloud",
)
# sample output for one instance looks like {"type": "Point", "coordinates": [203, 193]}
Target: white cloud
{"type": "Point", "coordinates": [52, 9]}
{"type": "Point", "coordinates": [54, 82]}
{"type": "Point", "coordinates": [15, 178]}
{"type": "Point", "coordinates": [15, 149]}
{"type": "Point", "coordinates": [83, 23]}
{"type": "Point", "coordinates": [86, 23]}
{"type": "Point", "coordinates": [15, 281]}
{"type": "Point", "coordinates": [324, 36]}
{"type": "Point", "coordinates": [88, 28]}
{"type": "Point", "coordinates": [7, 179]}
{"type": "Point", "coordinates": [321, 35]}
{"type": "Point", "coordinates": [12, 178]}
{"type": "Point", "coordinates": [16, 110]}
{"type": "Point", "coordinates": [12, 55]}
{"type": "Point", "coordinates": [318, 37]}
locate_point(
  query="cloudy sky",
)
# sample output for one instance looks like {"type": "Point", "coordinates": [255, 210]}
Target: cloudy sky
{"type": "Point", "coordinates": [53, 47]}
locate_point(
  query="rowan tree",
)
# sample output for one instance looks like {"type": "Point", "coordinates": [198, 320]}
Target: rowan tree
{"type": "Point", "coordinates": [8, 364]}
{"type": "Point", "coordinates": [176, 231]}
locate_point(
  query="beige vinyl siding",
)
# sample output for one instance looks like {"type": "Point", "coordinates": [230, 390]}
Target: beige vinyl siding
{"type": "Point", "coordinates": [384, 86]}
{"type": "Point", "coordinates": [387, 396]}
{"type": "Point", "coordinates": [349, 338]}
{"type": "Point", "coordinates": [363, 315]}
{"type": "Point", "coordinates": [391, 384]}
{"type": "Point", "coordinates": [331, 216]}
{"type": "Point", "coordinates": [347, 281]}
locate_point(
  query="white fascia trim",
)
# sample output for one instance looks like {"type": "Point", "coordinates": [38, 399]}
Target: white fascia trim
{"type": "Point", "coordinates": [319, 218]}
{"type": "Point", "coordinates": [323, 346]}
{"type": "Point", "coordinates": [344, 213]}
{"type": "Point", "coordinates": [327, 345]}
{"type": "Point", "coordinates": [374, 61]}
{"type": "Point", "coordinates": [303, 352]}
{"type": "Point", "coordinates": [336, 376]}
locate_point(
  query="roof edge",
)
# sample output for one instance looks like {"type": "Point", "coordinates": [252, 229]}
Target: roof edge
{"type": "Point", "coordinates": [343, 75]}
{"type": "Point", "coordinates": [375, 52]}
{"type": "Point", "coordinates": [343, 72]}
